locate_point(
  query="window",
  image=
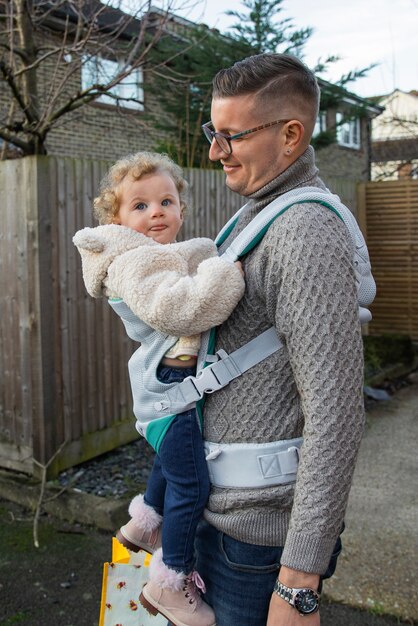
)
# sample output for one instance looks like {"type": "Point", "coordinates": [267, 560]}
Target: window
{"type": "Point", "coordinates": [129, 92]}
{"type": "Point", "coordinates": [348, 131]}
{"type": "Point", "coordinates": [320, 124]}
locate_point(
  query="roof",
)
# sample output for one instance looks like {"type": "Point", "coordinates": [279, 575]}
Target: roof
{"type": "Point", "coordinates": [108, 18]}
{"type": "Point", "coordinates": [351, 98]}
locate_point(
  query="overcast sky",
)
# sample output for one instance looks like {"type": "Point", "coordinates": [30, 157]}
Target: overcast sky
{"type": "Point", "coordinates": [361, 32]}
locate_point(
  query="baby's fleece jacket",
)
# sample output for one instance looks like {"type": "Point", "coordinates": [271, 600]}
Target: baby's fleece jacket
{"type": "Point", "coordinates": [180, 289]}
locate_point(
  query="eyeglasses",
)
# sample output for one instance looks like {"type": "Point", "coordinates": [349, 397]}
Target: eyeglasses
{"type": "Point", "coordinates": [224, 141]}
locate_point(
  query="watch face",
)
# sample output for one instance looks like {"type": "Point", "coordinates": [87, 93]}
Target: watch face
{"type": "Point", "coordinates": [306, 601]}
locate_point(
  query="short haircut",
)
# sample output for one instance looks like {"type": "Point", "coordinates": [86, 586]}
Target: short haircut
{"type": "Point", "coordinates": [272, 78]}
{"type": "Point", "coordinates": [107, 204]}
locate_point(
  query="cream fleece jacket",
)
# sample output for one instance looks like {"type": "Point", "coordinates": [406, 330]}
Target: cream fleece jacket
{"type": "Point", "coordinates": [180, 289]}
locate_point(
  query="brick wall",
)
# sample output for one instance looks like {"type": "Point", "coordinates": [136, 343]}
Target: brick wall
{"type": "Point", "coordinates": [93, 131]}
{"type": "Point", "coordinates": [348, 163]}
{"type": "Point", "coordinates": [101, 132]}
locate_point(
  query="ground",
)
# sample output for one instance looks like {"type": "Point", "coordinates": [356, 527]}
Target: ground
{"type": "Point", "coordinates": [59, 583]}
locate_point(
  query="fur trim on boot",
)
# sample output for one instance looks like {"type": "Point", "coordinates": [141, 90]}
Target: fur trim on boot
{"type": "Point", "coordinates": [144, 516]}
{"type": "Point", "coordinates": [143, 531]}
{"type": "Point", "coordinates": [164, 576]}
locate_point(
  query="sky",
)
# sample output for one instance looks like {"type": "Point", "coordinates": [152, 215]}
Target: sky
{"type": "Point", "coordinates": [361, 32]}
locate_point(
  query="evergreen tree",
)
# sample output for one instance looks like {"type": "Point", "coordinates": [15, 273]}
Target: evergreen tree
{"type": "Point", "coordinates": [259, 28]}
{"type": "Point", "coordinates": [187, 101]}
{"type": "Point", "coordinates": [184, 88]}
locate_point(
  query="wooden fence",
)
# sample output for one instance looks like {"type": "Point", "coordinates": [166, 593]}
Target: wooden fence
{"type": "Point", "coordinates": [63, 355]}
{"type": "Point", "coordinates": [388, 212]}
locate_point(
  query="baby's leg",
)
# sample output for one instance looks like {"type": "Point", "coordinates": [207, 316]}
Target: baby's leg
{"type": "Point", "coordinates": [184, 468]}
{"type": "Point", "coordinates": [143, 531]}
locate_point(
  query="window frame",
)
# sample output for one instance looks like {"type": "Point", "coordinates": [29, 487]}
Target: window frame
{"type": "Point", "coordinates": [90, 74]}
{"type": "Point", "coordinates": [349, 127]}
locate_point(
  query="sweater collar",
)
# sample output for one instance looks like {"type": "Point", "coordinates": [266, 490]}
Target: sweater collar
{"type": "Point", "coordinates": [302, 172]}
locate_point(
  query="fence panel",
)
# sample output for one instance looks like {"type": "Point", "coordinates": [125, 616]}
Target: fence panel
{"type": "Point", "coordinates": [20, 393]}
{"type": "Point", "coordinates": [391, 215]}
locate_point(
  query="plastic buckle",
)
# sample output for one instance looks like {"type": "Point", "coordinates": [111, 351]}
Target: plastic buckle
{"type": "Point", "coordinates": [215, 376]}
{"type": "Point", "coordinates": [206, 381]}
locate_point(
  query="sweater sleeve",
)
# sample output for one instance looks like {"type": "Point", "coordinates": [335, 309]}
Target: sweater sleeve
{"type": "Point", "coordinates": [313, 300]}
{"type": "Point", "coordinates": [158, 287]}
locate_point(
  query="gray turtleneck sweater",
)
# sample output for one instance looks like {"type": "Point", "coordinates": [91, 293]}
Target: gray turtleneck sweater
{"type": "Point", "coordinates": [299, 279]}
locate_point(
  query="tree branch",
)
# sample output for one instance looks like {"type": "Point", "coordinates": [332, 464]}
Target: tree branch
{"type": "Point", "coordinates": [44, 469]}
{"type": "Point", "coordinates": [9, 77]}
{"type": "Point", "coordinates": [19, 143]}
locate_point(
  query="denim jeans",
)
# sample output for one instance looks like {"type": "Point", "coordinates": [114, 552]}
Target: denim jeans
{"type": "Point", "coordinates": [240, 577]}
{"type": "Point", "coordinates": [178, 486]}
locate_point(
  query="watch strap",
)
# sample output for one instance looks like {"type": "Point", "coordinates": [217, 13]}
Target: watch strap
{"type": "Point", "coordinates": [284, 592]}
{"type": "Point", "coordinates": [289, 594]}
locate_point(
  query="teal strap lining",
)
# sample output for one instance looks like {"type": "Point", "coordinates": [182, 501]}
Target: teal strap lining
{"type": "Point", "coordinates": [257, 238]}
{"type": "Point", "coordinates": [157, 429]}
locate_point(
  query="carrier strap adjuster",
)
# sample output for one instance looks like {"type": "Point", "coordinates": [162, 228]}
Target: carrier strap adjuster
{"type": "Point", "coordinates": [219, 374]}
{"type": "Point", "coordinates": [216, 375]}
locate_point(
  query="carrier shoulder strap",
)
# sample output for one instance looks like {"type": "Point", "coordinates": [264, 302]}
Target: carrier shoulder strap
{"type": "Point", "coordinates": [250, 236]}
{"type": "Point", "coordinates": [217, 371]}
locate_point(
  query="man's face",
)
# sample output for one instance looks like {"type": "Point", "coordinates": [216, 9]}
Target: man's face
{"type": "Point", "coordinates": [257, 158]}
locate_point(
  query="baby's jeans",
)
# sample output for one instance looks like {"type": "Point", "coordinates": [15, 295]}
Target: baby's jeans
{"type": "Point", "coordinates": [178, 486]}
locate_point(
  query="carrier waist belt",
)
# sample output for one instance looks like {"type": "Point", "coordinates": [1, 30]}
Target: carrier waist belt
{"type": "Point", "coordinates": [253, 465]}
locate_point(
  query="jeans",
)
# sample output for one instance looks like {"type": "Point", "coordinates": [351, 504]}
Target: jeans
{"type": "Point", "coordinates": [240, 577]}
{"type": "Point", "coordinates": [178, 486]}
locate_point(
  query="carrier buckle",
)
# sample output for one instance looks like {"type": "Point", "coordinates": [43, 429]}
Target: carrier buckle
{"type": "Point", "coordinates": [215, 376]}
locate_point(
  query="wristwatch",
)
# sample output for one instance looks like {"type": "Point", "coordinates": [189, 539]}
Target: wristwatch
{"type": "Point", "coordinates": [304, 600]}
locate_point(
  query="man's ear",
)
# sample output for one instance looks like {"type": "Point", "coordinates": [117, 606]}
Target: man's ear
{"type": "Point", "coordinates": [295, 132]}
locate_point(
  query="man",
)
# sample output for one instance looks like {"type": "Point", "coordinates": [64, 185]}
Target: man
{"type": "Point", "coordinates": [300, 280]}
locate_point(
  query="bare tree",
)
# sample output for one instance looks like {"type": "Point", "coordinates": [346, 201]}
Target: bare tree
{"type": "Point", "coordinates": [57, 56]}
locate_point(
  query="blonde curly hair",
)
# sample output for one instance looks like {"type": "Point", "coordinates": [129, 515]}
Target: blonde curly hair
{"type": "Point", "coordinates": [107, 204]}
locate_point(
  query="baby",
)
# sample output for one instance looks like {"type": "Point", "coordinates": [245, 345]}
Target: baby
{"type": "Point", "coordinates": [166, 293]}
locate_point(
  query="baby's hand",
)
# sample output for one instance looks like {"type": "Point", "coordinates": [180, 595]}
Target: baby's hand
{"type": "Point", "coordinates": [239, 266]}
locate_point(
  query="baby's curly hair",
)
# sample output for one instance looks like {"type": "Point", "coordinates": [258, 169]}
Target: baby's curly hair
{"type": "Point", "coordinates": [107, 204]}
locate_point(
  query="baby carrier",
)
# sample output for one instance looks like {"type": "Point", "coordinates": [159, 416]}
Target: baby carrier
{"type": "Point", "coordinates": [255, 465]}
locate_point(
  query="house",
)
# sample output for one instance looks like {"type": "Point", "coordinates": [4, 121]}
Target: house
{"type": "Point", "coordinates": [349, 117]}
{"type": "Point", "coordinates": [119, 122]}
{"type": "Point", "coordinates": [74, 47]}
{"type": "Point", "coordinates": [395, 137]}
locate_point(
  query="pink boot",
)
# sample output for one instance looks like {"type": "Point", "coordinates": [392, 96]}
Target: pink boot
{"type": "Point", "coordinates": [143, 531]}
{"type": "Point", "coordinates": [175, 595]}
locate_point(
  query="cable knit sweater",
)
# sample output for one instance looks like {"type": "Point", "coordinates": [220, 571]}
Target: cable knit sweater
{"type": "Point", "coordinates": [301, 280]}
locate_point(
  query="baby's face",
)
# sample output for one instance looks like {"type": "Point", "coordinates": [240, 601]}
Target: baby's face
{"type": "Point", "coordinates": [151, 206]}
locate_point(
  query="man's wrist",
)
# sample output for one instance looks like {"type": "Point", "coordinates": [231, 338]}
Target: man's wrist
{"type": "Point", "coordinates": [295, 578]}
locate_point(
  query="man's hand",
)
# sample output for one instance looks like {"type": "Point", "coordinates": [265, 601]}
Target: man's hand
{"type": "Point", "coordinates": [281, 613]}
{"type": "Point", "coordinates": [239, 266]}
